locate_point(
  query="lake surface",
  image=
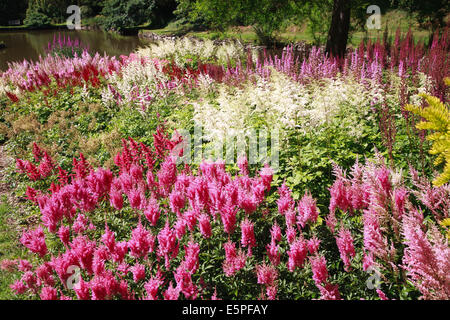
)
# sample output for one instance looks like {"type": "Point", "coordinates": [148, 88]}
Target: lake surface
{"type": "Point", "coordinates": [29, 45]}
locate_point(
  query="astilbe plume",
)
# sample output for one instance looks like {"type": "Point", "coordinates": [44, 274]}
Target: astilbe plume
{"type": "Point", "coordinates": [426, 261]}
{"type": "Point", "coordinates": [34, 240]}
{"type": "Point", "coordinates": [344, 242]}
{"type": "Point", "coordinates": [267, 275]}
{"type": "Point", "coordinates": [297, 254]}
{"type": "Point", "coordinates": [248, 235]}
{"type": "Point", "coordinates": [199, 208]}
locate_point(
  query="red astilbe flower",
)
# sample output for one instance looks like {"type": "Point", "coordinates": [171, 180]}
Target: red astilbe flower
{"type": "Point", "coordinates": [12, 97]}
{"type": "Point", "coordinates": [29, 169]}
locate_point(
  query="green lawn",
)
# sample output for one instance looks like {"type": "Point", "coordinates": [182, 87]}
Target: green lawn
{"type": "Point", "coordinates": [10, 248]}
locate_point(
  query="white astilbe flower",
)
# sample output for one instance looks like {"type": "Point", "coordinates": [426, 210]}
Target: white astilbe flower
{"type": "Point", "coordinates": [206, 50]}
{"type": "Point", "coordinates": [137, 82]}
{"type": "Point", "coordinates": [273, 103]}
{"type": "Point", "coordinates": [281, 102]}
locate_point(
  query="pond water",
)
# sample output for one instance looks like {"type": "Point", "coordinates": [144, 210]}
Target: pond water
{"type": "Point", "coordinates": [29, 45]}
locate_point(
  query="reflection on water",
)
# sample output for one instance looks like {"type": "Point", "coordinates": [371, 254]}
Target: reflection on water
{"type": "Point", "coordinates": [29, 45]}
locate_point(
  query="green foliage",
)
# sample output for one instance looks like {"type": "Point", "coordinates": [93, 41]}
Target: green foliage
{"type": "Point", "coordinates": [430, 13]}
{"type": "Point", "coordinates": [318, 17]}
{"type": "Point", "coordinates": [119, 14]}
{"type": "Point", "coordinates": [36, 16]}
{"type": "Point", "coordinates": [265, 16]}
{"type": "Point", "coordinates": [437, 116]}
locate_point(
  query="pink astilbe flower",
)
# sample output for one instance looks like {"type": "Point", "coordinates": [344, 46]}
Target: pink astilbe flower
{"type": "Point", "coordinates": [297, 254]}
{"type": "Point", "coordinates": [172, 293]}
{"type": "Point", "coordinates": [82, 290]}
{"type": "Point", "coordinates": [329, 292]}
{"type": "Point", "coordinates": [152, 286]}
{"type": "Point", "coordinates": [291, 234]}
{"type": "Point", "coordinates": [273, 252]}
{"type": "Point", "coordinates": [275, 232]}
{"type": "Point", "coordinates": [81, 224]}
{"type": "Point", "coordinates": [319, 269]}
{"type": "Point", "coordinates": [426, 261]}
{"type": "Point", "coordinates": [290, 218]}
{"type": "Point", "coordinates": [177, 201]}
{"type": "Point", "coordinates": [18, 287]}
{"type": "Point", "coordinates": [242, 164]}
{"type": "Point", "coordinates": [120, 250]}
{"type": "Point", "coordinates": [266, 274]}
{"type": "Point", "coordinates": [285, 202]}
{"type": "Point", "coordinates": [109, 239]}
{"type": "Point", "coordinates": [266, 175]}
{"type": "Point", "coordinates": [184, 282]}
{"type": "Point", "coordinates": [138, 271]}
{"type": "Point", "coordinates": [228, 216]}
{"type": "Point", "coordinates": [381, 295]}
{"type": "Point", "coordinates": [374, 241]}
{"type": "Point", "coordinates": [64, 234]}
{"type": "Point", "coordinates": [49, 293]}
{"type": "Point", "coordinates": [24, 265]}
{"type": "Point", "coordinates": [167, 244]}
{"type": "Point", "coordinates": [247, 235]}
{"type": "Point", "coordinates": [152, 212]}
{"type": "Point", "coordinates": [104, 286]}
{"type": "Point", "coordinates": [205, 226]}
{"type": "Point", "coordinates": [307, 210]}
{"type": "Point", "coordinates": [167, 174]}
{"type": "Point", "coordinates": [137, 198]}
{"type": "Point", "coordinates": [180, 228]}
{"type": "Point", "coordinates": [368, 261]}
{"type": "Point", "coordinates": [83, 249]}
{"type": "Point", "coordinates": [214, 296]}
{"type": "Point", "coordinates": [116, 198]}
{"type": "Point", "coordinates": [45, 274]}
{"type": "Point", "coordinates": [344, 242]}
{"type": "Point", "coordinates": [30, 281]}
{"type": "Point", "coordinates": [191, 261]}
{"type": "Point", "coordinates": [34, 240]}
{"type": "Point", "coordinates": [141, 242]}
{"type": "Point", "coordinates": [313, 245]}
{"type": "Point", "coordinates": [400, 198]}
{"type": "Point", "coordinates": [340, 197]}
{"type": "Point", "coordinates": [8, 265]}
{"type": "Point", "coordinates": [234, 261]}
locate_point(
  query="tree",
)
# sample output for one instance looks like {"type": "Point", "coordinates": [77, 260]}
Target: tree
{"type": "Point", "coordinates": [121, 14]}
{"type": "Point", "coordinates": [430, 13]}
{"type": "Point", "coordinates": [265, 16]}
{"type": "Point", "coordinates": [36, 16]}
{"type": "Point", "coordinates": [339, 28]}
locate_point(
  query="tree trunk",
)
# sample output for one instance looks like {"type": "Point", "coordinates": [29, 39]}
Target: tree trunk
{"type": "Point", "coordinates": [340, 25]}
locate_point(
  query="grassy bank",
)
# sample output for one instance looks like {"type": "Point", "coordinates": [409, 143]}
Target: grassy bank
{"type": "Point", "coordinates": [394, 20]}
